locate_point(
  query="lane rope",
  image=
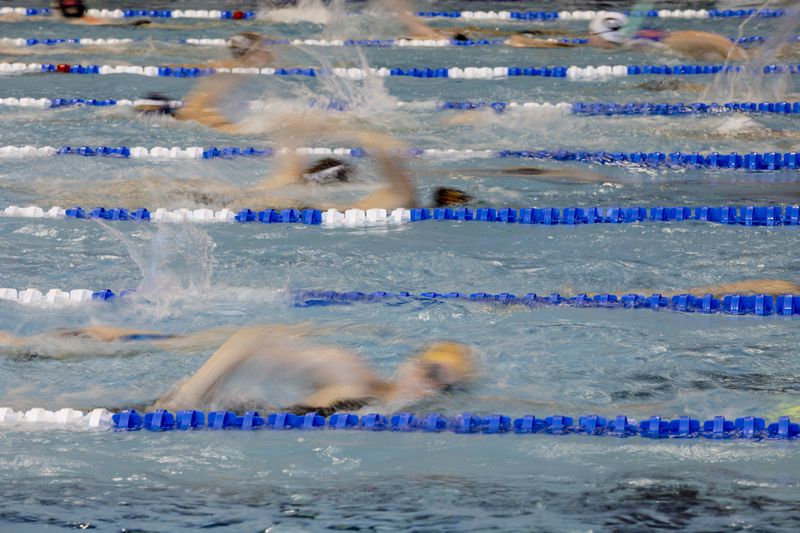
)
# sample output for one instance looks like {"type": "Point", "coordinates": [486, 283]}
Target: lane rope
{"type": "Point", "coordinates": [135, 13]}
{"type": "Point", "coordinates": [744, 215]}
{"type": "Point", "coordinates": [762, 305]}
{"type": "Point", "coordinates": [577, 108]}
{"type": "Point", "coordinates": [573, 73]}
{"type": "Point", "coordinates": [367, 43]}
{"type": "Point", "coordinates": [752, 161]}
{"type": "Point", "coordinates": [475, 15]}
{"type": "Point", "coordinates": [621, 426]}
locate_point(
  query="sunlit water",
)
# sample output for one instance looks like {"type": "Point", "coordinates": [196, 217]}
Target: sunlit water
{"type": "Point", "coordinates": [541, 361]}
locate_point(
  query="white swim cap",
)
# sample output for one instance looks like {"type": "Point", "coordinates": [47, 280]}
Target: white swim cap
{"type": "Point", "coordinates": [608, 25]}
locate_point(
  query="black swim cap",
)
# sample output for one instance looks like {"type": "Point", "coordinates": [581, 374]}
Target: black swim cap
{"type": "Point", "coordinates": [156, 104]}
{"type": "Point", "coordinates": [72, 8]}
{"type": "Point", "coordinates": [445, 196]}
{"type": "Point", "coordinates": [328, 170]}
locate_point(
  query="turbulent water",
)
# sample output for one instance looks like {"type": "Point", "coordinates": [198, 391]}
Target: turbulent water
{"type": "Point", "coordinates": [543, 361]}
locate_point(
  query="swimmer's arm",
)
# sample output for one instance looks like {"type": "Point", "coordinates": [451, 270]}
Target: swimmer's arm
{"type": "Point", "coordinates": [774, 287]}
{"type": "Point", "coordinates": [568, 175]}
{"type": "Point", "coordinates": [109, 333]}
{"type": "Point", "coordinates": [521, 41]}
{"type": "Point", "coordinates": [700, 43]}
{"type": "Point", "coordinates": [240, 347]}
{"type": "Point", "coordinates": [7, 339]}
{"type": "Point", "coordinates": [196, 341]}
{"type": "Point", "coordinates": [290, 168]}
{"type": "Point", "coordinates": [400, 192]}
{"type": "Point", "coordinates": [201, 105]}
{"type": "Point", "coordinates": [290, 164]}
{"type": "Point", "coordinates": [414, 26]}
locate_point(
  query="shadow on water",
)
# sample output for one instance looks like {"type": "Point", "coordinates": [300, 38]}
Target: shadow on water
{"type": "Point", "coordinates": [439, 502]}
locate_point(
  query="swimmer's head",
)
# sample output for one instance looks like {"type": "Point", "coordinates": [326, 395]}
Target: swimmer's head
{"type": "Point", "coordinates": [155, 104]}
{"type": "Point", "coordinates": [439, 368]}
{"type": "Point", "coordinates": [446, 364]}
{"type": "Point", "coordinates": [609, 25]}
{"type": "Point", "coordinates": [244, 43]}
{"type": "Point", "coordinates": [327, 171]}
{"type": "Point", "coordinates": [72, 8]}
{"type": "Point", "coordinates": [445, 196]}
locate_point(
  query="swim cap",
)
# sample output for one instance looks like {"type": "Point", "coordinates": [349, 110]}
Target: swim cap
{"type": "Point", "coordinates": [244, 42]}
{"type": "Point", "coordinates": [608, 26]}
{"type": "Point", "coordinates": [327, 170]}
{"type": "Point", "coordinates": [156, 104]}
{"type": "Point", "coordinates": [444, 196]}
{"type": "Point", "coordinates": [72, 8]}
{"type": "Point", "coordinates": [447, 363]}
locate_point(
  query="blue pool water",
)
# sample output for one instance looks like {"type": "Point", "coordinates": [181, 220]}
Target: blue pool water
{"type": "Point", "coordinates": [544, 361]}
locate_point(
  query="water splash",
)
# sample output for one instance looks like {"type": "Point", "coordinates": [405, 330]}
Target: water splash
{"type": "Point", "coordinates": [313, 11]}
{"type": "Point", "coordinates": [175, 262]}
{"type": "Point", "coordinates": [751, 84]}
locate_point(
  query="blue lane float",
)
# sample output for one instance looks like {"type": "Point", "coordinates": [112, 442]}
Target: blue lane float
{"type": "Point", "coordinates": [637, 108]}
{"type": "Point", "coordinates": [621, 426]}
{"type": "Point", "coordinates": [732, 304]}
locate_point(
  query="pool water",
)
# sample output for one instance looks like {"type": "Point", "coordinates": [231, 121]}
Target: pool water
{"type": "Point", "coordinates": [545, 360]}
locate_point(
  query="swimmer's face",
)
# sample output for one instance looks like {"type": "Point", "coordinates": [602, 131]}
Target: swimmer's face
{"type": "Point", "coordinates": [72, 8]}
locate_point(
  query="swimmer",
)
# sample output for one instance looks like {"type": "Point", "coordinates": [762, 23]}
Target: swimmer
{"type": "Point", "coordinates": [204, 105]}
{"type": "Point", "coordinates": [333, 378]}
{"type": "Point", "coordinates": [247, 49]}
{"type": "Point", "coordinates": [295, 182]}
{"type": "Point", "coordinates": [74, 12]}
{"type": "Point", "coordinates": [608, 30]}
{"type": "Point", "coordinates": [671, 85]}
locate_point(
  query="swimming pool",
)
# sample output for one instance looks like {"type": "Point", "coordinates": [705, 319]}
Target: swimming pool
{"type": "Point", "coordinates": [540, 360]}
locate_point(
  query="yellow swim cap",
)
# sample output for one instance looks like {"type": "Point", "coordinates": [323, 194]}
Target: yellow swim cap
{"type": "Point", "coordinates": [448, 362]}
